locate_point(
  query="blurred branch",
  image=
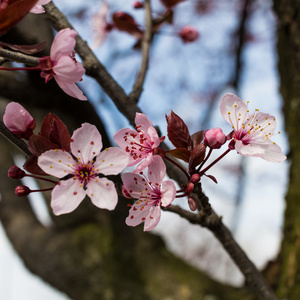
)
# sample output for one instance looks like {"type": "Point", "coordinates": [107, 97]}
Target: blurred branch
{"type": "Point", "coordinates": [138, 85]}
{"type": "Point", "coordinates": [214, 223]}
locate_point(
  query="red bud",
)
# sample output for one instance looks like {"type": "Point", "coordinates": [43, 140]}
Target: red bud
{"type": "Point", "coordinates": [22, 190]}
{"type": "Point", "coordinates": [15, 172]}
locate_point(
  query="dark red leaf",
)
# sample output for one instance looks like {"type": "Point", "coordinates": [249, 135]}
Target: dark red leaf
{"type": "Point", "coordinates": [178, 132]}
{"type": "Point", "coordinates": [56, 131]}
{"type": "Point", "coordinates": [31, 166]}
{"type": "Point", "coordinates": [126, 22]}
{"type": "Point", "coordinates": [170, 3]}
{"type": "Point", "coordinates": [12, 11]}
{"type": "Point", "coordinates": [28, 49]}
{"type": "Point", "coordinates": [197, 156]}
{"type": "Point", "coordinates": [38, 144]}
{"type": "Point", "coordinates": [181, 153]}
{"type": "Point", "coordinates": [197, 138]}
{"type": "Point", "coordinates": [213, 178]}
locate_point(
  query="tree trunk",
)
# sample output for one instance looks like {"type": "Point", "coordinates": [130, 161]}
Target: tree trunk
{"type": "Point", "coordinates": [288, 13]}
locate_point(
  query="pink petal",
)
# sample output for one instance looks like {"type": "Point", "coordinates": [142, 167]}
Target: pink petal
{"type": "Point", "coordinates": [57, 163]}
{"type": "Point", "coordinates": [38, 8]}
{"type": "Point", "coordinates": [111, 161]}
{"type": "Point", "coordinates": [144, 164]}
{"type": "Point", "coordinates": [103, 193]}
{"type": "Point", "coordinates": [100, 25]}
{"type": "Point", "coordinates": [233, 110]}
{"type": "Point", "coordinates": [68, 70]}
{"type": "Point", "coordinates": [86, 142]}
{"type": "Point", "coordinates": [273, 153]}
{"type": "Point", "coordinates": [63, 43]}
{"type": "Point", "coordinates": [145, 125]}
{"type": "Point", "coordinates": [70, 89]}
{"type": "Point", "coordinates": [157, 170]}
{"type": "Point", "coordinates": [135, 185]}
{"type": "Point", "coordinates": [66, 196]}
{"type": "Point", "coordinates": [137, 213]}
{"type": "Point", "coordinates": [265, 123]}
{"type": "Point", "coordinates": [168, 191]}
{"type": "Point", "coordinates": [249, 150]}
{"type": "Point", "coordinates": [16, 117]}
{"type": "Point", "coordinates": [152, 218]}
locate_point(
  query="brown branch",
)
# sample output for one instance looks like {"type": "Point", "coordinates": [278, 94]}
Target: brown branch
{"type": "Point", "coordinates": [14, 140]}
{"type": "Point", "coordinates": [19, 57]}
{"type": "Point", "coordinates": [94, 68]}
{"type": "Point", "coordinates": [138, 85]}
{"type": "Point", "coordinates": [214, 223]}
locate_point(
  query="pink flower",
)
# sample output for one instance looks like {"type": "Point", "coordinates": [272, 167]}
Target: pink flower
{"type": "Point", "coordinates": [215, 138]}
{"type": "Point", "coordinates": [152, 194]}
{"type": "Point", "coordinates": [251, 133]}
{"type": "Point", "coordinates": [18, 120]}
{"type": "Point", "coordinates": [139, 143]}
{"type": "Point", "coordinates": [189, 34]}
{"type": "Point", "coordinates": [86, 144]}
{"type": "Point", "coordinates": [38, 8]}
{"type": "Point", "coordinates": [100, 25]}
{"type": "Point", "coordinates": [62, 64]}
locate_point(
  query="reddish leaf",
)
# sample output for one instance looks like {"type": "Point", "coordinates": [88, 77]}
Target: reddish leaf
{"type": "Point", "coordinates": [197, 138]}
{"type": "Point", "coordinates": [197, 156]}
{"type": "Point", "coordinates": [213, 178]}
{"type": "Point", "coordinates": [56, 131]}
{"type": "Point", "coordinates": [126, 22]}
{"type": "Point", "coordinates": [178, 132]}
{"type": "Point", "coordinates": [31, 166]}
{"type": "Point", "coordinates": [181, 153]}
{"type": "Point", "coordinates": [38, 144]}
{"type": "Point", "coordinates": [12, 11]}
{"type": "Point", "coordinates": [28, 49]}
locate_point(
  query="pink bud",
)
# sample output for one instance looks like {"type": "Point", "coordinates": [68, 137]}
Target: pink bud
{"type": "Point", "coordinates": [189, 188]}
{"type": "Point", "coordinates": [22, 190]}
{"type": "Point", "coordinates": [192, 204]}
{"type": "Point", "coordinates": [195, 178]}
{"type": "Point", "coordinates": [15, 172]}
{"type": "Point", "coordinates": [189, 34]}
{"type": "Point", "coordinates": [18, 120]}
{"type": "Point", "coordinates": [215, 138]}
{"type": "Point", "coordinates": [138, 4]}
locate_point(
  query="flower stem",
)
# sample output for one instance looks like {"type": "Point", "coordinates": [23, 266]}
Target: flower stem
{"type": "Point", "coordinates": [178, 166]}
{"type": "Point", "coordinates": [215, 161]}
{"type": "Point", "coordinates": [206, 158]}
{"type": "Point", "coordinates": [41, 178]}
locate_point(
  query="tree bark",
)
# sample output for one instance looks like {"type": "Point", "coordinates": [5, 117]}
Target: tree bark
{"type": "Point", "coordinates": [288, 13]}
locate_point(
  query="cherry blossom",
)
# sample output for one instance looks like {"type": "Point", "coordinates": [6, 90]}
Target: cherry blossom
{"type": "Point", "coordinates": [38, 8]}
{"type": "Point", "coordinates": [251, 133]}
{"type": "Point", "coordinates": [152, 194]}
{"type": "Point", "coordinates": [62, 65]}
{"type": "Point", "coordinates": [140, 143]}
{"type": "Point", "coordinates": [86, 144]}
{"type": "Point", "coordinates": [100, 25]}
{"type": "Point", "coordinates": [18, 120]}
{"type": "Point", "coordinates": [215, 138]}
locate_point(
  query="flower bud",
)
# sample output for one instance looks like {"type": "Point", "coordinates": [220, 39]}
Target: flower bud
{"type": "Point", "coordinates": [188, 34]}
{"type": "Point", "coordinates": [195, 178]}
{"type": "Point", "coordinates": [215, 138]}
{"type": "Point", "coordinates": [22, 190]}
{"type": "Point", "coordinates": [18, 120]}
{"type": "Point", "coordinates": [192, 204]}
{"type": "Point", "coordinates": [138, 4]}
{"type": "Point", "coordinates": [15, 172]}
{"type": "Point", "coordinates": [190, 187]}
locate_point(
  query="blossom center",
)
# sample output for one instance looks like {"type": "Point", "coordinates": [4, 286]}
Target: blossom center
{"type": "Point", "coordinates": [84, 173]}
{"type": "Point", "coordinates": [46, 65]}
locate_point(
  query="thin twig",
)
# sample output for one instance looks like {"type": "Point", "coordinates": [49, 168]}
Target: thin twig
{"type": "Point", "coordinates": [138, 85]}
{"type": "Point", "coordinates": [14, 139]}
{"type": "Point", "coordinates": [19, 57]}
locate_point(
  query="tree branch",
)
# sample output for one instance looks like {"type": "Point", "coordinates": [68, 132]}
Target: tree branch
{"type": "Point", "coordinates": [138, 85]}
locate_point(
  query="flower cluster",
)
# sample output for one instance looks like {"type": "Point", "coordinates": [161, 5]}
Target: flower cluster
{"type": "Point", "coordinates": [81, 165]}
